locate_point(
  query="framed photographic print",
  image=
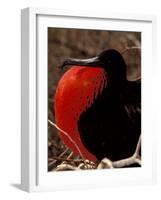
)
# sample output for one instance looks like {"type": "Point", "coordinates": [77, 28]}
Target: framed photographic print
{"type": "Point", "coordinates": [86, 99]}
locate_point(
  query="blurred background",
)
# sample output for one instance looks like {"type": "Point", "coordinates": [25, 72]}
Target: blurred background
{"type": "Point", "coordinates": [65, 43]}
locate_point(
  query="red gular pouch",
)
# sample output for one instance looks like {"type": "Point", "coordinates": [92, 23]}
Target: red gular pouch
{"type": "Point", "coordinates": [76, 91]}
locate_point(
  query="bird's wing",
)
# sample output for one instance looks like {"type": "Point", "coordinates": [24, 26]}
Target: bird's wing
{"type": "Point", "coordinates": [132, 91]}
{"type": "Point", "coordinates": [132, 98]}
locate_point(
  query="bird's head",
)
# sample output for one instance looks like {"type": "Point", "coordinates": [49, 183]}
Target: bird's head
{"type": "Point", "coordinates": [110, 60]}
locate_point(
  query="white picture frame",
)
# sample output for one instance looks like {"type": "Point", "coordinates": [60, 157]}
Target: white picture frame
{"type": "Point", "coordinates": [34, 174]}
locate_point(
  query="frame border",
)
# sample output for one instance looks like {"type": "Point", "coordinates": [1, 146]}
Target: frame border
{"type": "Point", "coordinates": [29, 174]}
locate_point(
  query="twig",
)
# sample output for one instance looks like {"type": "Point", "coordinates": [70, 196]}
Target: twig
{"type": "Point", "coordinates": [130, 48]}
{"type": "Point", "coordinates": [67, 135]}
{"type": "Point", "coordinates": [67, 159]}
{"type": "Point", "coordinates": [50, 114]}
{"type": "Point", "coordinates": [70, 155]}
{"type": "Point", "coordinates": [53, 162]}
{"type": "Point", "coordinates": [64, 152]}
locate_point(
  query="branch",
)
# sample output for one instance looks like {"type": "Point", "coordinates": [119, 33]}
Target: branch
{"type": "Point", "coordinates": [138, 147]}
{"type": "Point", "coordinates": [131, 160]}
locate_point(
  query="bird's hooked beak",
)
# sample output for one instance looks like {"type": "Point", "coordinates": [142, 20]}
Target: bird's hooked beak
{"type": "Point", "coordinates": [93, 62]}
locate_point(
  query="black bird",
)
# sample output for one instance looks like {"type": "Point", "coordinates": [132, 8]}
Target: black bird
{"type": "Point", "coordinates": [110, 126]}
